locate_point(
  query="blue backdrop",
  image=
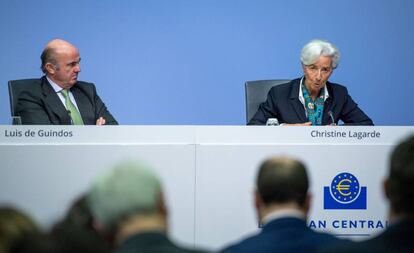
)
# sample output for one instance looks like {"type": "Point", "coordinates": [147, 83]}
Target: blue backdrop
{"type": "Point", "coordinates": [186, 61]}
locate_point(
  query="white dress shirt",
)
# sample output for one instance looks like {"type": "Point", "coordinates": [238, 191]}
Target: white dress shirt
{"type": "Point", "coordinates": [58, 90]}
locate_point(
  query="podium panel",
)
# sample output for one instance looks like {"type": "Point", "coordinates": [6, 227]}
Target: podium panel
{"type": "Point", "coordinates": [208, 172]}
{"type": "Point", "coordinates": [225, 188]}
{"type": "Point", "coordinates": [45, 177]}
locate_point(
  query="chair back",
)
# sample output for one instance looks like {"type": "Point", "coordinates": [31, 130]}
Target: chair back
{"type": "Point", "coordinates": [15, 88]}
{"type": "Point", "coordinates": [256, 93]}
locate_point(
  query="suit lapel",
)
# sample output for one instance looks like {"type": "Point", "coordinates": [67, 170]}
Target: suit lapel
{"type": "Point", "coordinates": [54, 103]}
{"type": "Point", "coordinates": [295, 102]}
{"type": "Point", "coordinates": [82, 102]}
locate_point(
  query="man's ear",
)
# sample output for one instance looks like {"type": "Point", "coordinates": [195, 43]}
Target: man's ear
{"type": "Point", "coordinates": [98, 226]}
{"type": "Point", "coordinates": [387, 188]}
{"type": "Point", "coordinates": [50, 68]}
{"type": "Point", "coordinates": [105, 232]}
{"type": "Point", "coordinates": [161, 207]}
{"type": "Point", "coordinates": [258, 202]}
{"type": "Point", "coordinates": [307, 203]}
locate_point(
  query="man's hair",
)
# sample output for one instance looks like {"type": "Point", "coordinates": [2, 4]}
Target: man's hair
{"type": "Point", "coordinates": [282, 180]}
{"type": "Point", "coordinates": [129, 188]}
{"type": "Point", "coordinates": [401, 177]}
{"type": "Point", "coordinates": [48, 56]}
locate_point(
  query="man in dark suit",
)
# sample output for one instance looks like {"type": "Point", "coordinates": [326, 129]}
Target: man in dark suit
{"type": "Point", "coordinates": [399, 189]}
{"type": "Point", "coordinates": [127, 203]}
{"type": "Point", "coordinates": [58, 98]}
{"type": "Point", "coordinates": [282, 203]}
{"type": "Point", "coordinates": [312, 100]}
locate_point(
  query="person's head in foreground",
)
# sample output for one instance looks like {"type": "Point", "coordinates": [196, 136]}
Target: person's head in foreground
{"type": "Point", "coordinates": [128, 199]}
{"type": "Point", "coordinates": [282, 183]}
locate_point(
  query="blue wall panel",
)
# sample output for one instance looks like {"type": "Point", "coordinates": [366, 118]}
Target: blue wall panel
{"type": "Point", "coordinates": [186, 61]}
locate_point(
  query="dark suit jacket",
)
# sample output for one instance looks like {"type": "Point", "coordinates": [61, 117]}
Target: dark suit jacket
{"type": "Point", "coordinates": [283, 235]}
{"type": "Point", "coordinates": [41, 105]}
{"type": "Point", "coordinates": [151, 242]}
{"type": "Point", "coordinates": [283, 103]}
{"type": "Point", "coordinates": [398, 238]}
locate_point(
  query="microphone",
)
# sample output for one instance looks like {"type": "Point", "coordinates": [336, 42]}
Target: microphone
{"type": "Point", "coordinates": [272, 122]}
{"type": "Point", "coordinates": [332, 118]}
{"type": "Point", "coordinates": [70, 116]}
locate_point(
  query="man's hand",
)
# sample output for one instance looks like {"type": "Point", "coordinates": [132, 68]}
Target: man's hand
{"type": "Point", "coordinates": [101, 121]}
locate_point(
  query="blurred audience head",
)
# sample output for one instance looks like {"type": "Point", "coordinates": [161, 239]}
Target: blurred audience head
{"type": "Point", "coordinates": [281, 182]}
{"type": "Point", "coordinates": [79, 213]}
{"type": "Point", "coordinates": [76, 232]}
{"type": "Point", "coordinates": [399, 186]}
{"type": "Point", "coordinates": [128, 198]}
{"type": "Point", "coordinates": [19, 233]}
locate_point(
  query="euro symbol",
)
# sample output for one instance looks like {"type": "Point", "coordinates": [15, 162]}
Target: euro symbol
{"type": "Point", "coordinates": [340, 187]}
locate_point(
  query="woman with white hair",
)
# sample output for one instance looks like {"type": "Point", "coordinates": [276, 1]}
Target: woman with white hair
{"type": "Point", "coordinates": [312, 99]}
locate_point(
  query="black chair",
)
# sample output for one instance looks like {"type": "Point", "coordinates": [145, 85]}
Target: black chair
{"type": "Point", "coordinates": [256, 93]}
{"type": "Point", "coordinates": [15, 87]}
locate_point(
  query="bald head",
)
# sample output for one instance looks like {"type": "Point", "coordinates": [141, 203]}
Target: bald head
{"type": "Point", "coordinates": [52, 50]}
{"type": "Point", "coordinates": [59, 44]}
{"type": "Point", "coordinates": [60, 62]}
{"type": "Point", "coordinates": [282, 180]}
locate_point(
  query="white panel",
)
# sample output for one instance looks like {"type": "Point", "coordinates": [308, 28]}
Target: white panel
{"type": "Point", "coordinates": [208, 171]}
{"type": "Point", "coordinates": [225, 182]}
{"type": "Point", "coordinates": [45, 179]}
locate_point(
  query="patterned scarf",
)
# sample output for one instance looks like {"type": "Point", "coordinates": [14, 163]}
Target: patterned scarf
{"type": "Point", "coordinates": [314, 108]}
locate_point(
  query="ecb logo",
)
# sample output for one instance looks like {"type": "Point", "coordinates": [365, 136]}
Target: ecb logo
{"type": "Point", "coordinates": [345, 192]}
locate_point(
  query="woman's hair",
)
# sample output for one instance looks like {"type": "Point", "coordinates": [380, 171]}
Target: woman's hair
{"type": "Point", "coordinates": [316, 48]}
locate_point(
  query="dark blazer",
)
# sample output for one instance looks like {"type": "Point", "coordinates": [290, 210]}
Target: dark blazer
{"type": "Point", "coordinates": [151, 242]}
{"type": "Point", "coordinates": [283, 103]}
{"type": "Point", "coordinates": [398, 238]}
{"type": "Point", "coordinates": [41, 105]}
{"type": "Point", "coordinates": [284, 235]}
